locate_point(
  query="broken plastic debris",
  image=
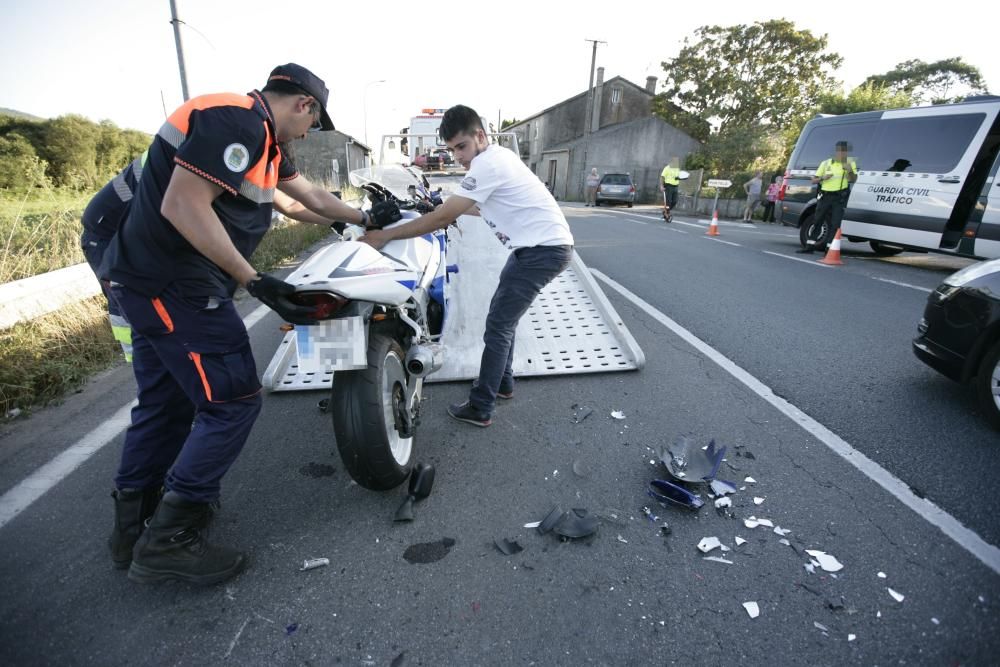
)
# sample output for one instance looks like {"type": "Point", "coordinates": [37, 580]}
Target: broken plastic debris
{"type": "Point", "coordinates": [753, 609]}
{"type": "Point", "coordinates": [666, 492]}
{"type": "Point", "coordinates": [898, 597]}
{"type": "Point", "coordinates": [881, 575]}
{"type": "Point", "coordinates": [685, 460]}
{"type": "Point", "coordinates": [581, 412]}
{"type": "Point", "coordinates": [721, 487]}
{"type": "Point", "coordinates": [649, 514]}
{"type": "Point", "coordinates": [622, 540]}
{"type": "Point", "coordinates": [508, 547]}
{"type": "Point", "coordinates": [810, 568]}
{"type": "Point", "coordinates": [665, 529]}
{"type": "Point", "coordinates": [851, 638]}
{"type": "Point", "coordinates": [532, 524]}
{"type": "Point", "coordinates": [825, 560]}
{"type": "Point", "coordinates": [709, 543]}
{"type": "Point", "coordinates": [785, 542]}
{"type": "Point", "coordinates": [313, 563]}
{"type": "Point", "coordinates": [421, 483]}
{"type": "Point", "coordinates": [750, 523]}
{"type": "Point", "coordinates": [550, 520]}
{"type": "Point", "coordinates": [618, 414]}
{"type": "Point", "coordinates": [579, 469]}
{"type": "Point", "coordinates": [757, 500]}
{"type": "Point", "coordinates": [740, 541]}
{"type": "Point", "coordinates": [765, 522]}
{"type": "Point", "coordinates": [575, 524]}
{"type": "Point", "coordinates": [878, 614]}
{"type": "Point", "coordinates": [324, 405]}
{"type": "Point", "coordinates": [935, 621]}
{"type": "Point", "coordinates": [717, 559]}
{"type": "Point", "coordinates": [778, 530]}
{"type": "Point", "coordinates": [725, 501]}
{"type": "Point", "coordinates": [749, 480]}
{"type": "Point", "coordinates": [819, 626]}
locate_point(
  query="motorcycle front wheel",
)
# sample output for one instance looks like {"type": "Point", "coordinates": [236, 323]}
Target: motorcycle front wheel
{"type": "Point", "coordinates": [374, 435]}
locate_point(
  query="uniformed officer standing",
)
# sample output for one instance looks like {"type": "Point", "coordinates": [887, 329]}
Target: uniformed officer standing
{"type": "Point", "coordinates": [834, 176]}
{"type": "Point", "coordinates": [201, 207]}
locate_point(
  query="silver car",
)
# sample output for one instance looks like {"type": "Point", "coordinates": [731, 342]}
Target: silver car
{"type": "Point", "coordinates": [616, 188]}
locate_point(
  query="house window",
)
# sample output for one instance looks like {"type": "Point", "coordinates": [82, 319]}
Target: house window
{"type": "Point", "coordinates": [616, 95]}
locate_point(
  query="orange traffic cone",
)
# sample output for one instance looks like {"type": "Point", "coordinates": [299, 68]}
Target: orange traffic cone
{"type": "Point", "coordinates": [833, 253]}
{"type": "Point", "coordinates": [713, 229]}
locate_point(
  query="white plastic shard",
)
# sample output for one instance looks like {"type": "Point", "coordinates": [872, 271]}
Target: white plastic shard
{"type": "Point", "coordinates": [709, 543]}
{"type": "Point", "coordinates": [851, 638]}
{"type": "Point", "coordinates": [785, 542]}
{"type": "Point", "coordinates": [722, 487]}
{"type": "Point", "coordinates": [717, 559]}
{"type": "Point", "coordinates": [740, 541]}
{"type": "Point", "coordinates": [898, 597]}
{"type": "Point", "coordinates": [750, 523]}
{"type": "Point", "coordinates": [778, 530]}
{"type": "Point", "coordinates": [618, 414]}
{"type": "Point", "coordinates": [826, 561]}
{"type": "Point", "coordinates": [881, 575]}
{"type": "Point", "coordinates": [725, 501]}
{"type": "Point", "coordinates": [757, 500]}
{"type": "Point", "coordinates": [533, 524]}
{"type": "Point", "coordinates": [819, 626]}
{"type": "Point", "coordinates": [753, 609]}
{"type": "Point", "coordinates": [810, 568]}
{"type": "Point", "coordinates": [935, 621]}
{"type": "Point", "coordinates": [766, 522]}
{"type": "Point", "coordinates": [750, 480]}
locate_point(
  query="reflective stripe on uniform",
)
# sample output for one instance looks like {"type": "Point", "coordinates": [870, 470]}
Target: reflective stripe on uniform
{"type": "Point", "coordinates": [122, 331]}
{"type": "Point", "coordinates": [121, 188]}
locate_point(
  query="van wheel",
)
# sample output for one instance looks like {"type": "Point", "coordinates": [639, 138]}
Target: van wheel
{"type": "Point", "coordinates": [820, 234]}
{"type": "Point", "coordinates": [884, 250]}
{"type": "Point", "coordinates": [988, 385]}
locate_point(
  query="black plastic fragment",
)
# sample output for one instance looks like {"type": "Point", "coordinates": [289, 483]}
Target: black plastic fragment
{"type": "Point", "coordinates": [324, 405]}
{"type": "Point", "coordinates": [405, 511]}
{"type": "Point", "coordinates": [508, 547]}
{"type": "Point", "coordinates": [576, 524]}
{"type": "Point", "coordinates": [550, 520]}
{"type": "Point", "coordinates": [421, 483]}
{"type": "Point", "coordinates": [667, 492]}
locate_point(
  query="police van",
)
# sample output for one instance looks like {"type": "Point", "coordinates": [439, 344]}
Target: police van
{"type": "Point", "coordinates": [927, 179]}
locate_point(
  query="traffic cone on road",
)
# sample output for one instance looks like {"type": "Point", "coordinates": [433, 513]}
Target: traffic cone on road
{"type": "Point", "coordinates": [713, 229]}
{"type": "Point", "coordinates": [833, 253]}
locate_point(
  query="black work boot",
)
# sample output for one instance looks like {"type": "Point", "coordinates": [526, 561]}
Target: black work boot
{"type": "Point", "coordinates": [132, 508]}
{"type": "Point", "coordinates": [173, 547]}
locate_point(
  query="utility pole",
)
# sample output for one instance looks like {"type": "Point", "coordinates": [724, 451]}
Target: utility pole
{"type": "Point", "coordinates": [590, 88]}
{"type": "Point", "coordinates": [180, 48]}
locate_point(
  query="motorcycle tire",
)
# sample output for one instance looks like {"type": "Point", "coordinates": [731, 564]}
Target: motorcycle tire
{"type": "Point", "coordinates": [820, 233]}
{"type": "Point", "coordinates": [366, 407]}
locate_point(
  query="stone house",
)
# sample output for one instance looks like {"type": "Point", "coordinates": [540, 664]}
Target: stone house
{"type": "Point", "coordinates": [327, 157]}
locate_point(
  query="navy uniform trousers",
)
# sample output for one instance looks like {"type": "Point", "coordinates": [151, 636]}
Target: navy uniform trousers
{"type": "Point", "coordinates": [193, 363]}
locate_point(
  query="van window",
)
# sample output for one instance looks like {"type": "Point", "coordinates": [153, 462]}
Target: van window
{"type": "Point", "coordinates": [924, 145]}
{"type": "Point", "coordinates": [819, 144]}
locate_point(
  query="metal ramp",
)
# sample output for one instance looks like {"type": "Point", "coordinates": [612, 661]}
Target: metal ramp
{"type": "Point", "coordinates": [571, 327]}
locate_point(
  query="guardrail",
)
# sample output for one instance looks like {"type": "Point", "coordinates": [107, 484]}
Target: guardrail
{"type": "Point", "coordinates": [28, 298]}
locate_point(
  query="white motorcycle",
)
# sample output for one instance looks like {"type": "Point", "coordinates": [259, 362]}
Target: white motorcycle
{"type": "Point", "coordinates": [376, 320]}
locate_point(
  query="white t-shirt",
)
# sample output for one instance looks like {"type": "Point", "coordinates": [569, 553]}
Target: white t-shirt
{"type": "Point", "coordinates": [513, 202]}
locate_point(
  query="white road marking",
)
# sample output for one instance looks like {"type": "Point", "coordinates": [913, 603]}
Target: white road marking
{"type": "Point", "coordinates": [949, 525]}
{"type": "Point", "coordinates": [688, 224]}
{"type": "Point", "coordinates": [896, 282]}
{"type": "Point", "coordinates": [810, 262]}
{"type": "Point", "coordinates": [712, 238]}
{"type": "Point", "coordinates": [33, 487]}
{"type": "Point", "coordinates": [678, 231]}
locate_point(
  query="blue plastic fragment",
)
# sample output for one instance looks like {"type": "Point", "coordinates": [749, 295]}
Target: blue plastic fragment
{"type": "Point", "coordinates": [668, 492]}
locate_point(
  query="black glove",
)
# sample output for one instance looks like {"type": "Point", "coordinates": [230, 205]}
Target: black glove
{"type": "Point", "coordinates": [275, 293]}
{"type": "Point", "coordinates": [384, 213]}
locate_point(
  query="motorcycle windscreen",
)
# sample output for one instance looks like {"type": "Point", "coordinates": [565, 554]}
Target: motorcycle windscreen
{"type": "Point", "coordinates": [394, 178]}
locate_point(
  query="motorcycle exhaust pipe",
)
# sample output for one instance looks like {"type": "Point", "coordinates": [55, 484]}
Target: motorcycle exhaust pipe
{"type": "Point", "coordinates": [422, 360]}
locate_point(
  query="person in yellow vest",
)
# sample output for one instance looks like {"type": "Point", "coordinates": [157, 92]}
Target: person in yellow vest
{"type": "Point", "coordinates": [670, 178]}
{"type": "Point", "coordinates": [834, 176]}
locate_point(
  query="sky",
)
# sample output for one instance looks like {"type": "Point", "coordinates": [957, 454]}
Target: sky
{"type": "Point", "coordinates": [384, 61]}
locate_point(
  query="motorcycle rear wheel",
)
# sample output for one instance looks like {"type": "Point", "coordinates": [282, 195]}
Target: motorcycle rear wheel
{"type": "Point", "coordinates": [368, 407]}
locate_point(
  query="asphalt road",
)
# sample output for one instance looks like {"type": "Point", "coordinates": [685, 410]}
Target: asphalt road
{"type": "Point", "coordinates": [833, 342]}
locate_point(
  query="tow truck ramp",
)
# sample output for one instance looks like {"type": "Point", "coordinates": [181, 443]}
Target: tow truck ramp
{"type": "Point", "coordinates": [571, 327]}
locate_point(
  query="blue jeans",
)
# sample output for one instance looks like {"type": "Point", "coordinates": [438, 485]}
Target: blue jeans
{"type": "Point", "coordinates": [527, 271]}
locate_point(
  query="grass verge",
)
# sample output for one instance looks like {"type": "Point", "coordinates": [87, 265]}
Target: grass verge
{"type": "Point", "coordinates": [40, 232]}
{"type": "Point", "coordinates": [49, 357]}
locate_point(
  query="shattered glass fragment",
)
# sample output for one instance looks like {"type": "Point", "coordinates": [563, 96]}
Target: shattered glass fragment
{"type": "Point", "coordinates": [666, 492]}
{"type": "Point", "coordinates": [757, 500]}
{"type": "Point", "coordinates": [508, 547]}
{"type": "Point", "coordinates": [708, 543]}
{"type": "Point", "coordinates": [723, 502]}
{"type": "Point", "coordinates": [685, 460]}
{"type": "Point", "coordinates": [810, 568]}
{"type": "Point", "coordinates": [617, 414]}
{"type": "Point", "coordinates": [717, 559]}
{"type": "Point", "coordinates": [721, 487]}
{"type": "Point", "coordinates": [740, 541]}
{"type": "Point", "coordinates": [753, 609]}
{"type": "Point", "coordinates": [778, 530]}
{"type": "Point", "coordinates": [825, 560]}
{"type": "Point", "coordinates": [898, 597]}
{"type": "Point", "coordinates": [749, 480]}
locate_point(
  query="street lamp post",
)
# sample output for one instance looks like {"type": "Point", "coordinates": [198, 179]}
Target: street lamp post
{"type": "Point", "coordinates": [364, 105]}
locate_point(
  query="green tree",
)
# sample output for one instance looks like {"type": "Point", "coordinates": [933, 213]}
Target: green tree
{"type": "Point", "coordinates": [744, 75]}
{"type": "Point", "coordinates": [504, 124]}
{"type": "Point", "coordinates": [22, 167]}
{"type": "Point", "coordinates": [70, 148]}
{"type": "Point", "coordinates": [936, 82]}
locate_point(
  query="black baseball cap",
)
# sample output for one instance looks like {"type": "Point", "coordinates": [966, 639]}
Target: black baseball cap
{"type": "Point", "coordinates": [308, 83]}
{"type": "Point", "coordinates": [843, 146]}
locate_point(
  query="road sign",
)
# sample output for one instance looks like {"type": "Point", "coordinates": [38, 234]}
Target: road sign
{"type": "Point", "coordinates": [719, 183]}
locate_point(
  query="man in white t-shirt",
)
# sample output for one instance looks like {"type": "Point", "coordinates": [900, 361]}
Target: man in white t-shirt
{"type": "Point", "coordinates": [525, 218]}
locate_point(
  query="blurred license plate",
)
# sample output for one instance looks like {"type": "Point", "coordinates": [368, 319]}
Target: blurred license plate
{"type": "Point", "coordinates": [333, 345]}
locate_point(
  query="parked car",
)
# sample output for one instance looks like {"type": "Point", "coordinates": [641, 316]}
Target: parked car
{"type": "Point", "coordinates": [927, 179]}
{"type": "Point", "coordinates": [960, 332]}
{"type": "Point", "coordinates": [616, 188]}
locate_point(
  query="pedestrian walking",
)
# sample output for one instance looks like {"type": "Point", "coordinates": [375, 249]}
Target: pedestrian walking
{"type": "Point", "coordinates": [834, 176]}
{"type": "Point", "coordinates": [752, 190]}
{"type": "Point", "coordinates": [200, 208]}
{"type": "Point", "coordinates": [527, 221]}
{"type": "Point", "coordinates": [591, 182]}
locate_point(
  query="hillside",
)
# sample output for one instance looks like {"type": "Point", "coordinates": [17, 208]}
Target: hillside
{"type": "Point", "coordinates": [19, 114]}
